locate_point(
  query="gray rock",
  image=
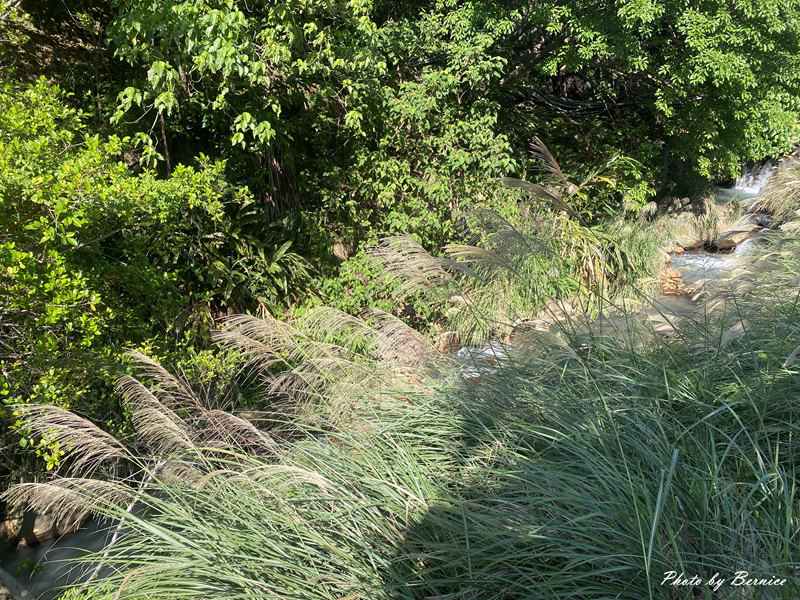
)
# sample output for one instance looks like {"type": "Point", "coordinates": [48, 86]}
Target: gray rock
{"type": "Point", "coordinates": [526, 331]}
{"type": "Point", "coordinates": [34, 529]}
{"type": "Point", "coordinates": [725, 245]}
{"type": "Point", "coordinates": [790, 227]}
{"type": "Point", "coordinates": [759, 219]}
{"type": "Point", "coordinates": [730, 239]}
{"type": "Point", "coordinates": [44, 528]}
{"type": "Point", "coordinates": [342, 249]}
{"type": "Point", "coordinates": [689, 245]}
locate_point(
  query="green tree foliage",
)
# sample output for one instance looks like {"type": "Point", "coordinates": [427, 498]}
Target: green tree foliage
{"type": "Point", "coordinates": [94, 258]}
{"type": "Point", "coordinates": [382, 127]}
{"type": "Point", "coordinates": [713, 84]}
{"type": "Point", "coordinates": [207, 152]}
{"type": "Point", "coordinates": [283, 83]}
{"type": "Point", "coordinates": [366, 117]}
{"type": "Point", "coordinates": [386, 114]}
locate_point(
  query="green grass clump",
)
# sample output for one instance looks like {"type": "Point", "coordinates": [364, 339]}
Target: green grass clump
{"type": "Point", "coordinates": [571, 470]}
{"type": "Point", "coordinates": [781, 197]}
{"type": "Point", "coordinates": [518, 267]}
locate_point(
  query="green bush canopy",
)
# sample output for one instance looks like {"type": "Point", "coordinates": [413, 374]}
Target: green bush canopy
{"type": "Point", "coordinates": [165, 163]}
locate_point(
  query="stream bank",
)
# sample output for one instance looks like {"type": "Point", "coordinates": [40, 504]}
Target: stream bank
{"type": "Point", "coordinates": [705, 254]}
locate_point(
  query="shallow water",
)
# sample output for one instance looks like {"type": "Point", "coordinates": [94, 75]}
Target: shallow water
{"type": "Point", "coordinates": [700, 266]}
{"type": "Point", "coordinates": [475, 362]}
{"type": "Point", "coordinates": [41, 570]}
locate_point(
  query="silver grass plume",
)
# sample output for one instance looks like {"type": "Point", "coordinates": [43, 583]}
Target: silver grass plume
{"type": "Point", "coordinates": [327, 359]}
{"type": "Point", "coordinates": [486, 261]}
{"type": "Point", "coordinates": [506, 240]}
{"type": "Point", "coordinates": [157, 426]}
{"type": "Point", "coordinates": [257, 354]}
{"type": "Point", "coordinates": [86, 447]}
{"type": "Point", "coordinates": [262, 341]}
{"type": "Point", "coordinates": [315, 378]}
{"type": "Point", "coordinates": [265, 329]}
{"type": "Point", "coordinates": [70, 501]}
{"type": "Point", "coordinates": [171, 390]}
{"type": "Point", "coordinates": [413, 267]}
{"type": "Point", "coordinates": [330, 324]}
{"type": "Point", "coordinates": [547, 162]}
{"type": "Point", "coordinates": [395, 341]}
{"type": "Point", "coordinates": [226, 429]}
{"type": "Point", "coordinates": [293, 360]}
{"type": "Point", "coordinates": [274, 474]}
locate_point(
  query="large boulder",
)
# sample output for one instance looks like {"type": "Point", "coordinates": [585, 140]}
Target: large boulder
{"type": "Point", "coordinates": [527, 331]}
{"type": "Point", "coordinates": [688, 245]}
{"type": "Point", "coordinates": [759, 219]}
{"type": "Point", "coordinates": [342, 249]}
{"type": "Point", "coordinates": [34, 529]}
{"type": "Point", "coordinates": [728, 240]}
{"type": "Point", "coordinates": [44, 528]}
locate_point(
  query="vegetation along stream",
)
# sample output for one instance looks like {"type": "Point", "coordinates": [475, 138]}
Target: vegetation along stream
{"type": "Point", "coordinates": [399, 299]}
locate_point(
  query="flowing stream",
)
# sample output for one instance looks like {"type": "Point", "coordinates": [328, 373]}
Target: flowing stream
{"type": "Point", "coordinates": [696, 268]}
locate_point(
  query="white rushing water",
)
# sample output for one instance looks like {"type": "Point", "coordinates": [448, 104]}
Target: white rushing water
{"type": "Point", "coordinates": [749, 184]}
{"type": "Point", "coordinates": [476, 362]}
{"type": "Point", "coordinates": [696, 267]}
{"type": "Point", "coordinates": [752, 181]}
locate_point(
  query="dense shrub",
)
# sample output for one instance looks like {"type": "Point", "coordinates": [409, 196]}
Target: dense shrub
{"type": "Point", "coordinates": [96, 259]}
{"type": "Point", "coordinates": [388, 115]}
